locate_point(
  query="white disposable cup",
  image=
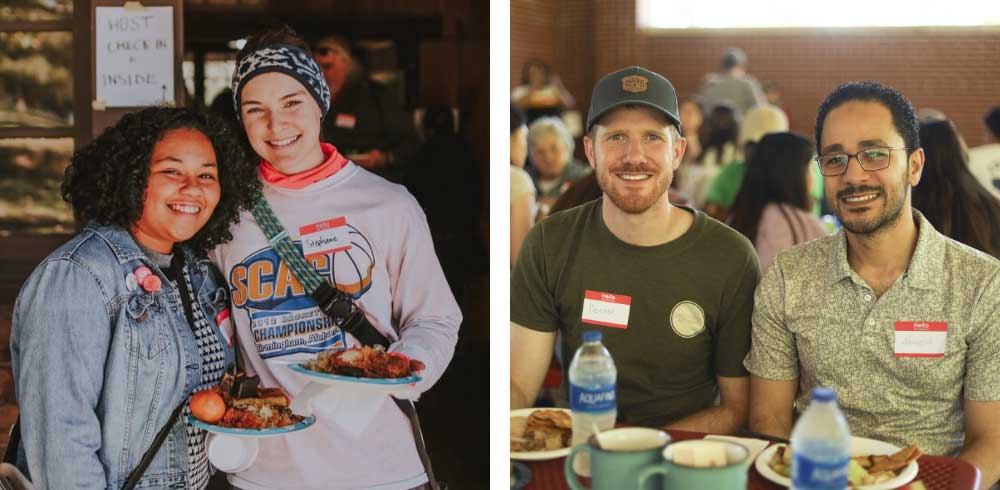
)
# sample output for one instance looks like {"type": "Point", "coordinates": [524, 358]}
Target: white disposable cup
{"type": "Point", "coordinates": [231, 454]}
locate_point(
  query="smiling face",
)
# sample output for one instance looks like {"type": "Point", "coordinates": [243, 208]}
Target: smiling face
{"type": "Point", "coordinates": [866, 202]}
{"type": "Point", "coordinates": [181, 192]}
{"type": "Point", "coordinates": [282, 122]}
{"type": "Point", "coordinates": [634, 153]}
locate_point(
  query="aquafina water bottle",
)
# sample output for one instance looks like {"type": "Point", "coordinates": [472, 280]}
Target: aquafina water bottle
{"type": "Point", "coordinates": [592, 397]}
{"type": "Point", "coordinates": [821, 445]}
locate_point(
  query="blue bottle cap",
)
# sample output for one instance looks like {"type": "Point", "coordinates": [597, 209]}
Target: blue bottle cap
{"type": "Point", "coordinates": [592, 336]}
{"type": "Point", "coordinates": [823, 394]}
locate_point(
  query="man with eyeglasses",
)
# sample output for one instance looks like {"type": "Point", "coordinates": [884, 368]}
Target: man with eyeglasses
{"type": "Point", "coordinates": [903, 322]}
{"type": "Point", "coordinates": [366, 121]}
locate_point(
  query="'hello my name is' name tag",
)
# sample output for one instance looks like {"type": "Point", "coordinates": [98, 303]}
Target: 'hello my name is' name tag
{"type": "Point", "coordinates": [606, 309]}
{"type": "Point", "coordinates": [325, 237]}
{"type": "Point", "coordinates": [921, 339]}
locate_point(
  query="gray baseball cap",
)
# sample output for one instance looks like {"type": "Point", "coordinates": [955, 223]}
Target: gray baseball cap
{"type": "Point", "coordinates": [633, 85]}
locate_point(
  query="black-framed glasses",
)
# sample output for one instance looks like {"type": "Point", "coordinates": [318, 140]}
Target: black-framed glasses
{"type": "Point", "coordinates": [870, 159]}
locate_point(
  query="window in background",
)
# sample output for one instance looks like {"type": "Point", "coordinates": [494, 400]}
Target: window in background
{"type": "Point", "coordinates": [31, 173]}
{"type": "Point", "coordinates": [720, 14]}
{"type": "Point", "coordinates": [36, 79]}
{"type": "Point", "coordinates": [36, 10]}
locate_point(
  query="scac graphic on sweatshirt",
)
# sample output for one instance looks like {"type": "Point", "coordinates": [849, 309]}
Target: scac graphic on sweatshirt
{"type": "Point", "coordinates": [284, 319]}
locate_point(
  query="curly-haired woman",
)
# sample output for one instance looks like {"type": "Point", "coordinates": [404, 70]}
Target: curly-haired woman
{"type": "Point", "coordinates": [365, 236]}
{"type": "Point", "coordinates": [119, 326]}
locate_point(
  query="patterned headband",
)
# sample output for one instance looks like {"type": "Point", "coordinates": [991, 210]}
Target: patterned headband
{"type": "Point", "coordinates": [287, 59]}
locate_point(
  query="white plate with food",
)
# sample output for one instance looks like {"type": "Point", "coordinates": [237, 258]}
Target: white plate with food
{"type": "Point", "coordinates": [868, 460]}
{"type": "Point", "coordinates": [538, 434]}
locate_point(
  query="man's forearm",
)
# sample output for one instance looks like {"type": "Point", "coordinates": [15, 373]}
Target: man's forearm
{"type": "Point", "coordinates": [983, 454]}
{"type": "Point", "coordinates": [517, 398]}
{"type": "Point", "coordinates": [717, 420]}
{"type": "Point", "coordinates": [772, 425]}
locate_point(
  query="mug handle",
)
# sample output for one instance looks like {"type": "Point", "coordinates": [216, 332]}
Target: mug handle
{"type": "Point", "coordinates": [571, 478]}
{"type": "Point", "coordinates": [649, 471]}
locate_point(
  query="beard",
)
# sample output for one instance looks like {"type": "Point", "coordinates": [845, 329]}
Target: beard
{"type": "Point", "coordinates": [631, 201]}
{"type": "Point", "coordinates": [890, 212]}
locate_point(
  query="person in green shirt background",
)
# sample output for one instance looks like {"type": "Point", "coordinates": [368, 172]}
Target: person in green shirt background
{"type": "Point", "coordinates": [758, 122]}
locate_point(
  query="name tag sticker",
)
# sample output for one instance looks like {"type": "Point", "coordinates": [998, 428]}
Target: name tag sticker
{"type": "Point", "coordinates": [325, 237]}
{"type": "Point", "coordinates": [921, 339]}
{"type": "Point", "coordinates": [606, 309]}
{"type": "Point", "coordinates": [225, 326]}
{"type": "Point", "coordinates": [346, 121]}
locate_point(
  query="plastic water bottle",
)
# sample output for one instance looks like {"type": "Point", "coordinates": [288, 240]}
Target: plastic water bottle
{"type": "Point", "coordinates": [821, 445]}
{"type": "Point", "coordinates": [592, 399]}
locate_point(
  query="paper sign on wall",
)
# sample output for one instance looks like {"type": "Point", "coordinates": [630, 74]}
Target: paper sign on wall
{"type": "Point", "coordinates": [135, 56]}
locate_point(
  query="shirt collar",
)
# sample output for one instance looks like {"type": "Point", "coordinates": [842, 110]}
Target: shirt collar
{"type": "Point", "coordinates": [926, 265]}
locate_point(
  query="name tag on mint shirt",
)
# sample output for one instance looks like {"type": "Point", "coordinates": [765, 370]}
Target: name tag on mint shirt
{"type": "Point", "coordinates": [606, 309]}
{"type": "Point", "coordinates": [921, 339]}
{"type": "Point", "coordinates": [325, 237]}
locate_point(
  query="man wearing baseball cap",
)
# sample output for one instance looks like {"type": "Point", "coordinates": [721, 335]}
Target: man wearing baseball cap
{"type": "Point", "coordinates": [670, 288]}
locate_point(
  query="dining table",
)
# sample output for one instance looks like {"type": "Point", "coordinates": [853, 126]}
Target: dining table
{"type": "Point", "coordinates": [935, 472]}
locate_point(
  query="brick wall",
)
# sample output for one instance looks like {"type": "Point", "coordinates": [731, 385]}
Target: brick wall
{"type": "Point", "coordinates": [953, 70]}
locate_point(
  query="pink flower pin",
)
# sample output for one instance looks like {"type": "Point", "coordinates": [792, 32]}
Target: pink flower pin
{"type": "Point", "coordinates": [151, 283]}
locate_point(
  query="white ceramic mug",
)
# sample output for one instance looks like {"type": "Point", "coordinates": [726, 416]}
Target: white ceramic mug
{"type": "Point", "coordinates": [231, 454]}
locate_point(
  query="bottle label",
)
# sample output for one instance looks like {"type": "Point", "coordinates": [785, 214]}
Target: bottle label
{"type": "Point", "coordinates": [601, 399]}
{"type": "Point", "coordinates": [819, 475]}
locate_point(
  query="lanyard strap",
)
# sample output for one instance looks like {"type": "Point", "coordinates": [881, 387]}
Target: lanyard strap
{"type": "Point", "coordinates": [337, 305]}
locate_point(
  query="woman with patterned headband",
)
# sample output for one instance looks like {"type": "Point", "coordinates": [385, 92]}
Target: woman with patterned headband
{"type": "Point", "coordinates": [381, 259]}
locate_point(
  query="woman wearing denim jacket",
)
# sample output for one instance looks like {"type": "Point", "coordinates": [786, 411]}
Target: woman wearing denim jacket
{"type": "Point", "coordinates": [102, 348]}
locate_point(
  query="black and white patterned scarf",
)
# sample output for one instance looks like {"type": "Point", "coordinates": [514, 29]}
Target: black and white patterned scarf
{"type": "Point", "coordinates": [213, 365]}
{"type": "Point", "coordinates": [287, 59]}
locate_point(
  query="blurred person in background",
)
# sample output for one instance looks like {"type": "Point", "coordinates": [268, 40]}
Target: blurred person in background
{"type": "Point", "coordinates": [719, 145]}
{"type": "Point", "coordinates": [522, 189]}
{"type": "Point", "coordinates": [554, 168]}
{"type": "Point", "coordinates": [733, 86]}
{"type": "Point", "coordinates": [541, 93]}
{"type": "Point", "coordinates": [759, 121]}
{"type": "Point", "coordinates": [772, 208]}
{"type": "Point", "coordinates": [950, 196]}
{"type": "Point", "coordinates": [984, 161]}
{"type": "Point", "coordinates": [366, 121]}
{"type": "Point", "coordinates": [692, 116]}
{"type": "Point", "coordinates": [446, 181]}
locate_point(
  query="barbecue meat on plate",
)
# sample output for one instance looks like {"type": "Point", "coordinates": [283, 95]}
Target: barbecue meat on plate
{"type": "Point", "coordinates": [365, 362]}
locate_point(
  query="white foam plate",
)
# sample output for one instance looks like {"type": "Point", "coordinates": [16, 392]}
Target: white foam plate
{"type": "Point", "coordinates": [859, 446]}
{"type": "Point", "coordinates": [537, 455]}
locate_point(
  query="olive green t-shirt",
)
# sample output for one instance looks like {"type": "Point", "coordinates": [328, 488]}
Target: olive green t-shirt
{"type": "Point", "coordinates": [689, 306]}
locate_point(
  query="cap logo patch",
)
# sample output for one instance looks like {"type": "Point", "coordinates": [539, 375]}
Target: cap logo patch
{"type": "Point", "coordinates": [634, 83]}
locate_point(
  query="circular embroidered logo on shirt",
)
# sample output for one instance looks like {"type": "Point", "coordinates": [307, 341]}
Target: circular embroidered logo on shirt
{"type": "Point", "coordinates": [687, 319]}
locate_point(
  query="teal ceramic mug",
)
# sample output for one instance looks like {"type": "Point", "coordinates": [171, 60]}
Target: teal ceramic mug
{"type": "Point", "coordinates": [686, 465]}
{"type": "Point", "coordinates": [621, 453]}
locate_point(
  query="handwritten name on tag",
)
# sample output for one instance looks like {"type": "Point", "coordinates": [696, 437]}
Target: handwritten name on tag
{"type": "Point", "coordinates": [606, 309]}
{"type": "Point", "coordinates": [325, 237]}
{"type": "Point", "coordinates": [921, 339]}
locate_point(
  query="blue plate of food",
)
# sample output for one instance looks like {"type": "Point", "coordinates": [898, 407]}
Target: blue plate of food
{"type": "Point", "coordinates": [366, 365]}
{"type": "Point", "coordinates": [305, 422]}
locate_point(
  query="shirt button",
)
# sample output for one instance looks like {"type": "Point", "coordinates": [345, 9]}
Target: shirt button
{"type": "Point", "coordinates": [868, 297]}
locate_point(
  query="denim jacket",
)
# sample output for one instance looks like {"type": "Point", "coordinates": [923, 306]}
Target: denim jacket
{"type": "Point", "coordinates": [100, 364]}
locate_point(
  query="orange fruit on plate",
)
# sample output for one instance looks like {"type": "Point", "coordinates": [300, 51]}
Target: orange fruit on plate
{"type": "Point", "coordinates": [208, 406]}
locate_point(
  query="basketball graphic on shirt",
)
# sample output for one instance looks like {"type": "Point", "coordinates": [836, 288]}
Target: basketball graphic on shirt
{"type": "Point", "coordinates": [687, 319]}
{"type": "Point", "coordinates": [351, 269]}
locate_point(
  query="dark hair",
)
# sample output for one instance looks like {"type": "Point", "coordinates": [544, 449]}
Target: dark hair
{"type": "Point", "coordinates": [439, 119]}
{"type": "Point", "coordinates": [581, 191]}
{"type": "Point", "coordinates": [904, 118]}
{"type": "Point", "coordinates": [106, 180]}
{"type": "Point", "coordinates": [526, 70]}
{"type": "Point", "coordinates": [992, 120]}
{"type": "Point", "coordinates": [719, 128]}
{"type": "Point", "coordinates": [950, 197]}
{"type": "Point", "coordinates": [516, 118]}
{"type": "Point", "coordinates": [276, 34]}
{"type": "Point", "coordinates": [775, 173]}
{"type": "Point", "coordinates": [733, 57]}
